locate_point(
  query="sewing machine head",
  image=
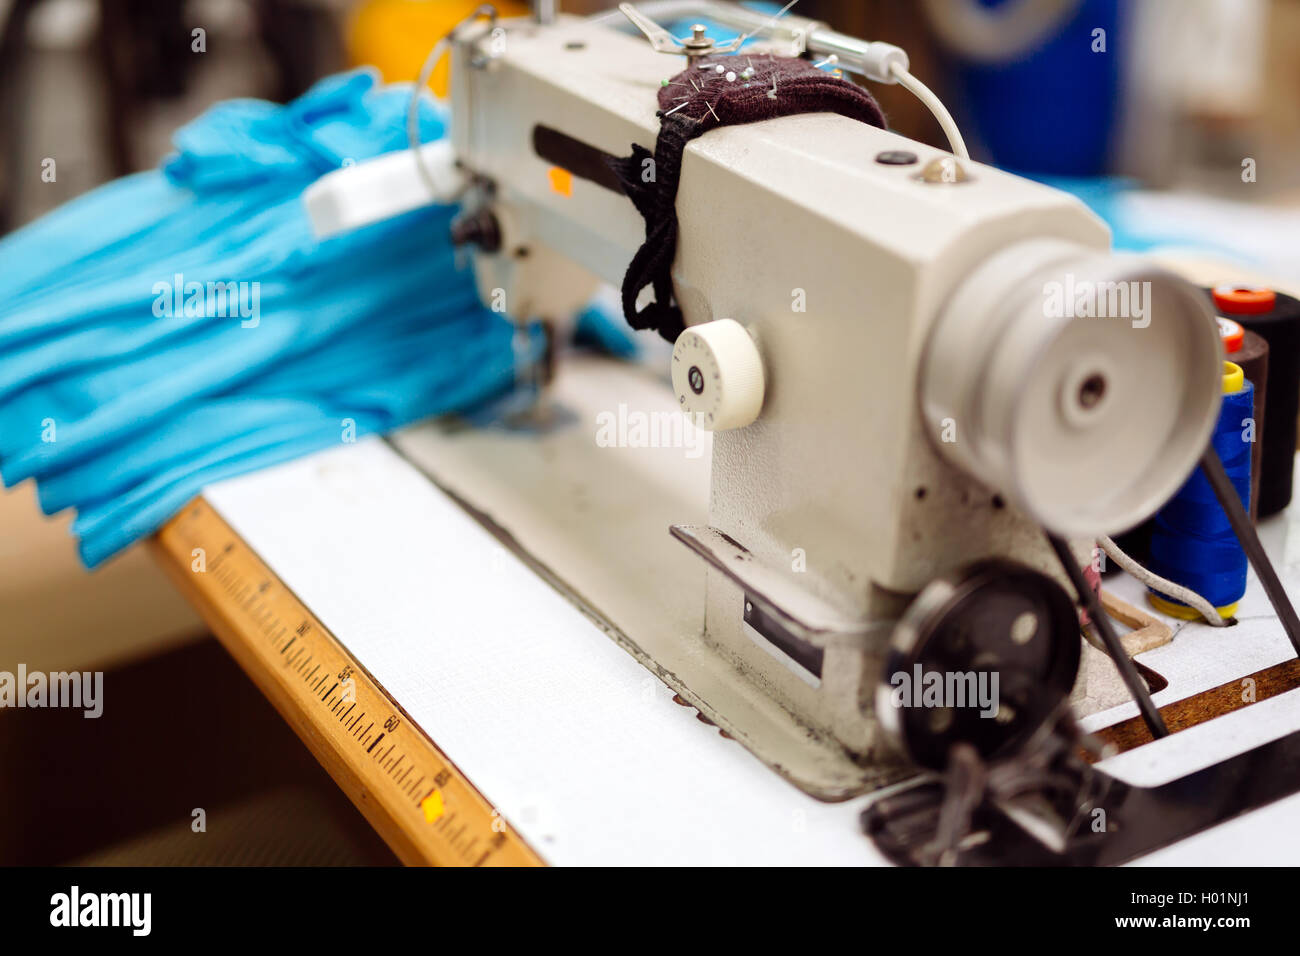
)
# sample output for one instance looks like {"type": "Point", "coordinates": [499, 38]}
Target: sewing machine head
{"type": "Point", "coordinates": [912, 363]}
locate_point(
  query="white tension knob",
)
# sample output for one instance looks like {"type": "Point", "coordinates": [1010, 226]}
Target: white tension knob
{"type": "Point", "coordinates": [718, 375]}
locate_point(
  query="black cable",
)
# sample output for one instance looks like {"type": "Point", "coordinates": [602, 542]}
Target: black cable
{"type": "Point", "coordinates": [1230, 501]}
{"type": "Point", "coordinates": [1088, 598]}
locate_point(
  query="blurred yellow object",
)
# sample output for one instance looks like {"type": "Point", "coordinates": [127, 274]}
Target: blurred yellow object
{"type": "Point", "coordinates": [395, 36]}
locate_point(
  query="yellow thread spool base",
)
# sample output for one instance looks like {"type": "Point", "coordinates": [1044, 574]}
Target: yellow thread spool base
{"type": "Point", "coordinates": [1185, 613]}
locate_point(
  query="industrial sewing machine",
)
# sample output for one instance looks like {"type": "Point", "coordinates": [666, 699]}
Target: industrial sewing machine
{"type": "Point", "coordinates": [916, 435]}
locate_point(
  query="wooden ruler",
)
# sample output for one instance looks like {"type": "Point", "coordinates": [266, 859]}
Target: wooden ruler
{"type": "Point", "coordinates": [409, 791]}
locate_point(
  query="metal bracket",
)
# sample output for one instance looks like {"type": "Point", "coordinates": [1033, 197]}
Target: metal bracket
{"type": "Point", "coordinates": [794, 31]}
{"type": "Point", "coordinates": [805, 616]}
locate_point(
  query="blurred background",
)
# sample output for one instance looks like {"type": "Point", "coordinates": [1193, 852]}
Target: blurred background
{"type": "Point", "coordinates": [1172, 92]}
{"type": "Point", "coordinates": [1178, 120]}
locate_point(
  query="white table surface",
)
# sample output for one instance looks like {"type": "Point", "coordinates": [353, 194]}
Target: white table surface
{"type": "Point", "coordinates": [577, 744]}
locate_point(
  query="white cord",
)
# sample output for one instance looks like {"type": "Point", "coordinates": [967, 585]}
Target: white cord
{"type": "Point", "coordinates": [1156, 583]}
{"type": "Point", "coordinates": [484, 11]}
{"type": "Point", "coordinates": [934, 105]}
{"type": "Point", "coordinates": [412, 110]}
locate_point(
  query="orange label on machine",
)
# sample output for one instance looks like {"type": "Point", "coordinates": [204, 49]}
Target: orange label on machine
{"type": "Point", "coordinates": [561, 181]}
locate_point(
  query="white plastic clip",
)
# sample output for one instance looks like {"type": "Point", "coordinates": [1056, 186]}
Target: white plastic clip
{"type": "Point", "coordinates": [380, 189]}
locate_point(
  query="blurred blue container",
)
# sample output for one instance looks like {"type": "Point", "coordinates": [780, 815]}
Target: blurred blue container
{"type": "Point", "coordinates": [1071, 92]}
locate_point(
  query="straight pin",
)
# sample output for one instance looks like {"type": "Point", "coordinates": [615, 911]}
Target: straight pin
{"type": "Point", "coordinates": [676, 108]}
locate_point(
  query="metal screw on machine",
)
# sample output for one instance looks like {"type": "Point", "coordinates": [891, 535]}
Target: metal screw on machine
{"type": "Point", "coordinates": [700, 43]}
{"type": "Point", "coordinates": [896, 157]}
{"type": "Point", "coordinates": [943, 169]}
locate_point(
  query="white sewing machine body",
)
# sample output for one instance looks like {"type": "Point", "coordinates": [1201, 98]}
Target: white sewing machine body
{"type": "Point", "coordinates": [893, 394]}
{"type": "Point", "coordinates": [834, 507]}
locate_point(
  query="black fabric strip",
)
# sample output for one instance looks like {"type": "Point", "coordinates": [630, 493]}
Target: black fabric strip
{"type": "Point", "coordinates": [693, 102]}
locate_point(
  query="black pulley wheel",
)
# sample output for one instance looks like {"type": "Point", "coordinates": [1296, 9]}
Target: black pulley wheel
{"type": "Point", "coordinates": [982, 656]}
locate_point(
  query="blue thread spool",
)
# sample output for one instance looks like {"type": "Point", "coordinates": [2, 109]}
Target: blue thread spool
{"type": "Point", "coordinates": [1192, 543]}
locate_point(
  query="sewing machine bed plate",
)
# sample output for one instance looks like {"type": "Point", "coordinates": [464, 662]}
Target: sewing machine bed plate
{"type": "Point", "coordinates": [568, 735]}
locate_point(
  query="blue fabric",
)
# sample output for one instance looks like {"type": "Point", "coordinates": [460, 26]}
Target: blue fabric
{"type": "Point", "coordinates": [127, 383]}
{"type": "Point", "coordinates": [1111, 198]}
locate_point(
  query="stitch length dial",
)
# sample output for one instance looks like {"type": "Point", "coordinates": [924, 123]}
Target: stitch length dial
{"type": "Point", "coordinates": [718, 375]}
